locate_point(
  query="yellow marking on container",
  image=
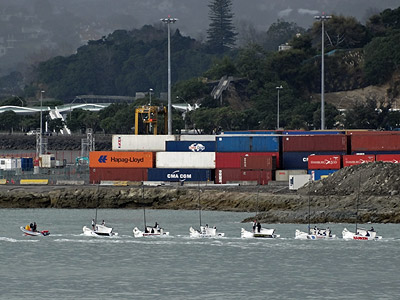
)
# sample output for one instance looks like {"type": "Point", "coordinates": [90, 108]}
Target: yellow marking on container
{"type": "Point", "coordinates": [120, 183]}
{"type": "Point", "coordinates": [324, 176]}
{"type": "Point", "coordinates": [3, 181]}
{"type": "Point", "coordinates": [34, 181]}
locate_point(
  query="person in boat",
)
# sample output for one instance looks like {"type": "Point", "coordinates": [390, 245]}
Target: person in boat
{"type": "Point", "coordinates": [93, 224]}
{"type": "Point", "coordinates": [28, 227]}
{"type": "Point", "coordinates": [103, 223]}
{"type": "Point", "coordinates": [328, 232]}
{"type": "Point", "coordinates": [34, 227]}
{"type": "Point", "coordinates": [258, 227]}
{"type": "Point", "coordinates": [372, 229]}
{"type": "Point", "coordinates": [31, 226]}
{"type": "Point", "coordinates": [254, 225]}
{"type": "Point", "coordinates": [367, 234]}
{"type": "Point", "coordinates": [157, 226]}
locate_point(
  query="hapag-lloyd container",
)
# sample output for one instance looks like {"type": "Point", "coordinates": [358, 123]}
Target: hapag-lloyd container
{"type": "Point", "coordinates": [302, 143]}
{"type": "Point", "coordinates": [299, 160]}
{"type": "Point", "coordinates": [244, 143]}
{"type": "Point", "coordinates": [186, 160]}
{"type": "Point", "coordinates": [97, 175]}
{"type": "Point", "coordinates": [317, 174]}
{"type": "Point", "coordinates": [223, 176]}
{"type": "Point", "coordinates": [191, 146]}
{"type": "Point", "coordinates": [233, 160]}
{"type": "Point", "coordinates": [351, 160]}
{"type": "Point", "coordinates": [375, 142]}
{"type": "Point", "coordinates": [392, 158]}
{"type": "Point", "coordinates": [180, 175]}
{"type": "Point", "coordinates": [116, 159]}
{"type": "Point", "coordinates": [151, 143]}
{"type": "Point", "coordinates": [258, 162]}
{"type": "Point", "coordinates": [324, 162]}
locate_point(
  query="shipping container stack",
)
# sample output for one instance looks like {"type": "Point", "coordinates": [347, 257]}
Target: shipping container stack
{"type": "Point", "coordinates": [246, 158]}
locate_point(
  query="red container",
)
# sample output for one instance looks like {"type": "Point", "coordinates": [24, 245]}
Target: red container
{"type": "Point", "coordinates": [314, 143]}
{"type": "Point", "coordinates": [117, 174]}
{"type": "Point", "coordinates": [261, 176]}
{"type": "Point", "coordinates": [232, 160]}
{"type": "Point", "coordinates": [223, 176]}
{"type": "Point", "coordinates": [324, 162]}
{"type": "Point", "coordinates": [375, 142]}
{"type": "Point", "coordinates": [258, 162]}
{"type": "Point", "coordinates": [393, 158]}
{"type": "Point", "coordinates": [351, 160]}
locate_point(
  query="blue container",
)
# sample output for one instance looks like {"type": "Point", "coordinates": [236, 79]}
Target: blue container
{"type": "Point", "coordinates": [248, 143]}
{"type": "Point", "coordinates": [26, 163]}
{"type": "Point", "coordinates": [312, 132]}
{"type": "Point", "coordinates": [299, 160]}
{"type": "Point", "coordinates": [180, 175]}
{"type": "Point", "coordinates": [318, 173]}
{"type": "Point", "coordinates": [190, 146]}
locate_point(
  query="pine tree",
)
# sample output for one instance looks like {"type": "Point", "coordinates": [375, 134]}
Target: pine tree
{"type": "Point", "coordinates": [221, 32]}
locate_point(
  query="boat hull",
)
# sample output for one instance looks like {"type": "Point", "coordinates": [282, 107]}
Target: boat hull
{"type": "Point", "coordinates": [150, 232]}
{"type": "Point", "coordinates": [265, 233]}
{"type": "Point", "coordinates": [34, 233]}
{"type": "Point", "coordinates": [361, 235]}
{"type": "Point", "coordinates": [321, 234]}
{"type": "Point", "coordinates": [205, 232]}
{"type": "Point", "coordinates": [100, 230]}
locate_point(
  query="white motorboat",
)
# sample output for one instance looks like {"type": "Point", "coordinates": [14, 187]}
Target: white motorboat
{"type": "Point", "coordinates": [31, 232]}
{"type": "Point", "coordinates": [99, 230]}
{"type": "Point", "coordinates": [361, 234]}
{"type": "Point", "coordinates": [315, 234]}
{"type": "Point", "coordinates": [150, 231]}
{"type": "Point", "coordinates": [205, 232]}
{"type": "Point", "coordinates": [267, 233]}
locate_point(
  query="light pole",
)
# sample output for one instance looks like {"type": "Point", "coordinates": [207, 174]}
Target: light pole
{"type": "Point", "coordinates": [150, 91]}
{"type": "Point", "coordinates": [322, 18]}
{"type": "Point", "coordinates": [22, 102]}
{"type": "Point", "coordinates": [168, 21]}
{"type": "Point", "coordinates": [278, 88]}
{"type": "Point", "coordinates": [41, 130]}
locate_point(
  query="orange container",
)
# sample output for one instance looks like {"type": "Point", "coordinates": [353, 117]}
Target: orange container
{"type": "Point", "coordinates": [114, 159]}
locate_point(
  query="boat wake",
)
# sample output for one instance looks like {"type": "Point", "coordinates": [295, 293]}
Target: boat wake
{"type": "Point", "coordinates": [11, 240]}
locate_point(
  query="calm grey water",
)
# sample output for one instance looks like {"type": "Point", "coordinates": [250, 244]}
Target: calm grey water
{"type": "Point", "coordinates": [67, 265]}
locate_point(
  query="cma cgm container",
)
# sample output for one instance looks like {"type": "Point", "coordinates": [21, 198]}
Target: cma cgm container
{"type": "Point", "coordinates": [233, 160]}
{"type": "Point", "coordinates": [223, 176]}
{"type": "Point", "coordinates": [96, 175]}
{"type": "Point", "coordinates": [115, 159]}
{"type": "Point", "coordinates": [299, 160]}
{"type": "Point", "coordinates": [351, 160]}
{"type": "Point", "coordinates": [301, 143]}
{"type": "Point", "coordinates": [253, 143]}
{"type": "Point", "coordinates": [180, 175]}
{"type": "Point", "coordinates": [187, 160]}
{"type": "Point", "coordinates": [375, 142]}
{"type": "Point", "coordinates": [151, 143]}
{"type": "Point", "coordinates": [392, 158]}
{"type": "Point", "coordinates": [258, 162]}
{"type": "Point", "coordinates": [317, 174]}
{"type": "Point", "coordinates": [191, 146]}
{"type": "Point", "coordinates": [324, 162]}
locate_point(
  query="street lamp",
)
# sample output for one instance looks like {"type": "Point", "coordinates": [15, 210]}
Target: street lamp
{"type": "Point", "coordinates": [150, 91]}
{"type": "Point", "coordinates": [41, 130]}
{"type": "Point", "coordinates": [168, 21]}
{"type": "Point", "coordinates": [22, 102]}
{"type": "Point", "coordinates": [322, 18]}
{"type": "Point", "coordinates": [278, 88]}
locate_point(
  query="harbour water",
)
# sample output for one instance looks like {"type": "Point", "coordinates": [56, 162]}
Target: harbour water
{"type": "Point", "coordinates": [67, 265]}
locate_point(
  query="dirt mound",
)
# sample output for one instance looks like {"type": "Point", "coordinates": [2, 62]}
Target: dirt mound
{"type": "Point", "coordinates": [372, 179]}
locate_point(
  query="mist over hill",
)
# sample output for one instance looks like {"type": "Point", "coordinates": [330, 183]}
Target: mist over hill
{"type": "Point", "coordinates": [35, 30]}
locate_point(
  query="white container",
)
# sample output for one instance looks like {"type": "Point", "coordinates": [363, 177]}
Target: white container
{"type": "Point", "coordinates": [47, 160]}
{"type": "Point", "coordinates": [197, 137]}
{"type": "Point", "coordinates": [185, 160]}
{"type": "Point", "coordinates": [283, 175]}
{"type": "Point", "coordinates": [8, 163]}
{"type": "Point", "coordinates": [152, 143]}
{"type": "Point", "coordinates": [297, 181]}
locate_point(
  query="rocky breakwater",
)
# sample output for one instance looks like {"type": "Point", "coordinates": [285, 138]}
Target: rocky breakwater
{"type": "Point", "coordinates": [333, 199]}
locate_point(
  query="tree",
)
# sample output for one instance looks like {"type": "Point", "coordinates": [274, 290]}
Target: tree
{"type": "Point", "coordinates": [281, 32]}
{"type": "Point", "coordinates": [221, 32]}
